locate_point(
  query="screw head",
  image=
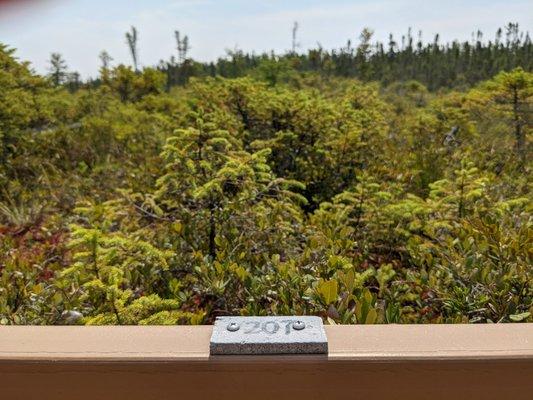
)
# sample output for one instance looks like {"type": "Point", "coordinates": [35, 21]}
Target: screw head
{"type": "Point", "coordinates": [233, 327]}
{"type": "Point", "coordinates": [298, 325]}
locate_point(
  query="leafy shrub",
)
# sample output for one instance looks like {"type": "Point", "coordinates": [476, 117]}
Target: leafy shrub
{"type": "Point", "coordinates": [123, 204]}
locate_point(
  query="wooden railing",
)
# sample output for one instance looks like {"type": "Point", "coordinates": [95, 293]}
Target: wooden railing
{"type": "Point", "coordinates": [364, 362]}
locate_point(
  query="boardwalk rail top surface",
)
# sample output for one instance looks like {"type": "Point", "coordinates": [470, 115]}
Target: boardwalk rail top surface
{"type": "Point", "coordinates": [373, 361]}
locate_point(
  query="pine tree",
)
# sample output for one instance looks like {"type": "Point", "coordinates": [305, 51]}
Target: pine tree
{"type": "Point", "coordinates": [58, 69]}
{"type": "Point", "coordinates": [131, 40]}
{"type": "Point", "coordinates": [294, 43]}
{"type": "Point", "coordinates": [105, 60]}
{"type": "Point", "coordinates": [509, 96]}
{"type": "Point", "coordinates": [182, 46]}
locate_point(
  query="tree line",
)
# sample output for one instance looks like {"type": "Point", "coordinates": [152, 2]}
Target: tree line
{"type": "Point", "coordinates": [434, 64]}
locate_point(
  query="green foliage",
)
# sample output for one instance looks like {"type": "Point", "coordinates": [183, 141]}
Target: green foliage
{"type": "Point", "coordinates": [328, 291]}
{"type": "Point", "coordinates": [121, 203]}
{"type": "Point", "coordinates": [509, 94]}
{"type": "Point", "coordinates": [434, 64]}
{"type": "Point", "coordinates": [132, 86]}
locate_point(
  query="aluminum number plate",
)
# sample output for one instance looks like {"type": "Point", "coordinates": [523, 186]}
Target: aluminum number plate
{"type": "Point", "coordinates": [268, 335]}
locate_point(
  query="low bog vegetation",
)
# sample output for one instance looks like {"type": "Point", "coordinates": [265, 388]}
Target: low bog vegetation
{"type": "Point", "coordinates": [128, 203]}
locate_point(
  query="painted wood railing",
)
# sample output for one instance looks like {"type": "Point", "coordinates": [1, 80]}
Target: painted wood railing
{"type": "Point", "coordinates": [364, 362]}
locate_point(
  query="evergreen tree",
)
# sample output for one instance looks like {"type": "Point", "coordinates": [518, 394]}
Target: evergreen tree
{"type": "Point", "coordinates": [182, 46]}
{"type": "Point", "coordinates": [131, 40]}
{"type": "Point", "coordinates": [58, 69]}
{"type": "Point", "coordinates": [105, 60]}
{"type": "Point", "coordinates": [294, 43]}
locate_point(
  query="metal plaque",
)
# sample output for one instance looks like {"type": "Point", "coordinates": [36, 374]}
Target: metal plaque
{"type": "Point", "coordinates": [268, 335]}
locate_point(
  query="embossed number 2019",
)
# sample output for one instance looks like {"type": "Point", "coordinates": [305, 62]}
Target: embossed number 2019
{"type": "Point", "coordinates": [269, 327]}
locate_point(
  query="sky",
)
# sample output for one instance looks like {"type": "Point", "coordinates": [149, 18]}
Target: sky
{"type": "Point", "coordinates": [81, 29]}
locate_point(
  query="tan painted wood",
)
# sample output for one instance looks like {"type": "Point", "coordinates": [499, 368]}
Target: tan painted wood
{"type": "Point", "coordinates": [378, 361]}
{"type": "Point", "coordinates": [375, 342]}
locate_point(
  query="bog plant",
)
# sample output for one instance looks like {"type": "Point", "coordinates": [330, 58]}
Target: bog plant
{"type": "Point", "coordinates": [128, 203]}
